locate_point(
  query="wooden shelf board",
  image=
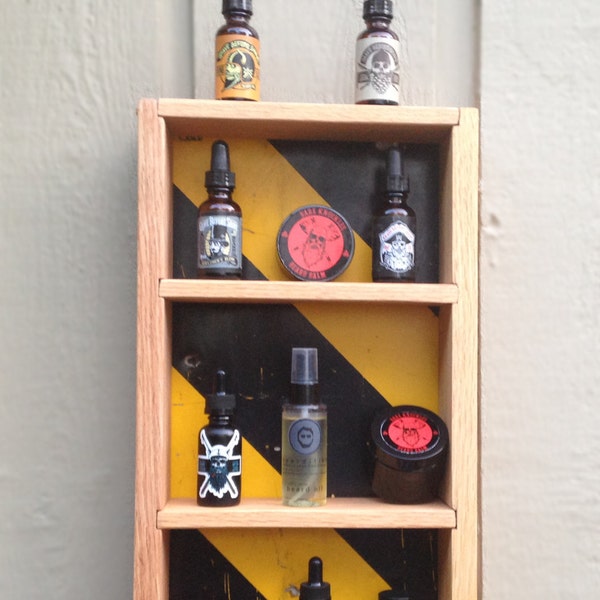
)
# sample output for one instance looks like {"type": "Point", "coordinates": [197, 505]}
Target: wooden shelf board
{"type": "Point", "coordinates": [340, 513]}
{"type": "Point", "coordinates": [244, 291]}
{"type": "Point", "coordinates": [275, 120]}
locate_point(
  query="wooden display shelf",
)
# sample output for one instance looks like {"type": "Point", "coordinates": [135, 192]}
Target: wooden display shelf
{"type": "Point", "coordinates": [349, 513]}
{"type": "Point", "coordinates": [454, 132]}
{"type": "Point", "coordinates": [190, 290]}
{"type": "Point", "coordinates": [277, 120]}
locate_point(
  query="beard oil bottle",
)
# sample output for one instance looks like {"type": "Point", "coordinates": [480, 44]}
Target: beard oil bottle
{"type": "Point", "coordinates": [237, 51]}
{"type": "Point", "coordinates": [219, 221]}
{"type": "Point", "coordinates": [304, 435]}
{"type": "Point", "coordinates": [219, 451]}
{"type": "Point", "coordinates": [394, 227]}
{"type": "Point", "coordinates": [377, 56]}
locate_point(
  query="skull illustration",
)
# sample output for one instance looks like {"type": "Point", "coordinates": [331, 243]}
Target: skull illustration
{"type": "Point", "coordinates": [381, 71]}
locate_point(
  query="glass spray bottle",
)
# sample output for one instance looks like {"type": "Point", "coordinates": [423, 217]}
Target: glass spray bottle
{"type": "Point", "coordinates": [304, 435]}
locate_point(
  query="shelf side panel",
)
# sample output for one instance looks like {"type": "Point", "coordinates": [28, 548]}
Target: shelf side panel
{"type": "Point", "coordinates": [153, 357]}
{"type": "Point", "coordinates": [459, 550]}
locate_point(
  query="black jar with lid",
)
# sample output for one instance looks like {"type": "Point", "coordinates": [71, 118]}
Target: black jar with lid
{"type": "Point", "coordinates": [410, 447]}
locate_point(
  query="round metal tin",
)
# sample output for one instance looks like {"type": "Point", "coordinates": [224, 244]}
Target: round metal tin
{"type": "Point", "coordinates": [315, 243]}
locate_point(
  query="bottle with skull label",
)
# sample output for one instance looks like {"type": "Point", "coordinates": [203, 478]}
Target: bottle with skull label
{"type": "Point", "coordinates": [394, 227]}
{"type": "Point", "coordinates": [219, 451]}
{"type": "Point", "coordinates": [377, 56]}
{"type": "Point", "coordinates": [219, 221]}
{"type": "Point", "coordinates": [237, 54]}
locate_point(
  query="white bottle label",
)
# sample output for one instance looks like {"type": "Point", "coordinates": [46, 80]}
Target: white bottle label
{"type": "Point", "coordinates": [219, 242]}
{"type": "Point", "coordinates": [377, 69]}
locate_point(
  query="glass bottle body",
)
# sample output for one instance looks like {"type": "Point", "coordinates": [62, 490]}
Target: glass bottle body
{"type": "Point", "coordinates": [219, 463]}
{"type": "Point", "coordinates": [377, 64]}
{"type": "Point", "coordinates": [304, 454]}
{"type": "Point", "coordinates": [237, 56]}
{"type": "Point", "coordinates": [219, 233]}
{"type": "Point", "coordinates": [394, 241]}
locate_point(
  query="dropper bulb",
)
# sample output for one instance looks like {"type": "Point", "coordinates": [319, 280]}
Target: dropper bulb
{"type": "Point", "coordinates": [396, 181]}
{"type": "Point", "coordinates": [219, 174]}
{"type": "Point", "coordinates": [220, 157]}
{"type": "Point", "coordinates": [315, 588]}
{"type": "Point", "coordinates": [219, 387]}
{"type": "Point", "coordinates": [315, 571]}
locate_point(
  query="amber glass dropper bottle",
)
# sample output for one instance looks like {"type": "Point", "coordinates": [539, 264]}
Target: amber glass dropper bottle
{"type": "Point", "coordinates": [237, 53]}
{"type": "Point", "coordinates": [219, 221]}
{"type": "Point", "coordinates": [394, 227]}
{"type": "Point", "coordinates": [377, 56]}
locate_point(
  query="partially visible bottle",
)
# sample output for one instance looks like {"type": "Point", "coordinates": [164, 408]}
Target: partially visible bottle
{"type": "Point", "coordinates": [394, 227]}
{"type": "Point", "coordinates": [219, 221]}
{"type": "Point", "coordinates": [377, 56]}
{"type": "Point", "coordinates": [219, 451]}
{"type": "Point", "coordinates": [304, 435]}
{"type": "Point", "coordinates": [237, 53]}
{"type": "Point", "coordinates": [315, 588]}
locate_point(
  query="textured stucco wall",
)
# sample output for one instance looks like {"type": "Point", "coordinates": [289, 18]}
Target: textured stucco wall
{"type": "Point", "coordinates": [540, 287]}
{"type": "Point", "coordinates": [71, 73]}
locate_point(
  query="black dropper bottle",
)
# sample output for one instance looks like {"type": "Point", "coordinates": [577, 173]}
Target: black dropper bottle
{"type": "Point", "coordinates": [394, 227]}
{"type": "Point", "coordinates": [315, 588]}
{"type": "Point", "coordinates": [219, 220]}
{"type": "Point", "coordinates": [219, 450]}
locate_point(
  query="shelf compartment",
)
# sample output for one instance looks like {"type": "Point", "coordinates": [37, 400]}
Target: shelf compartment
{"type": "Point", "coordinates": [340, 513]}
{"type": "Point", "coordinates": [190, 290]}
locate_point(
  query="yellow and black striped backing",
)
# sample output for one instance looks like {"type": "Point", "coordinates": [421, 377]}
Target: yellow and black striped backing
{"type": "Point", "coordinates": [369, 356]}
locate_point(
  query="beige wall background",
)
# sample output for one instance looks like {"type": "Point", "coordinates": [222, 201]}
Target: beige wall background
{"type": "Point", "coordinates": [71, 73]}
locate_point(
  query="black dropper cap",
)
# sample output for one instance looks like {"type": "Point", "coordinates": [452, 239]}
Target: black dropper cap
{"type": "Point", "coordinates": [219, 402]}
{"type": "Point", "coordinates": [397, 182]}
{"type": "Point", "coordinates": [315, 588]}
{"type": "Point", "coordinates": [244, 6]}
{"type": "Point", "coordinates": [219, 174]}
{"type": "Point", "coordinates": [378, 8]}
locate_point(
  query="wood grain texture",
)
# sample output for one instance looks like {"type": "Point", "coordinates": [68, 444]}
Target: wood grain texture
{"type": "Point", "coordinates": [153, 355]}
{"type": "Point", "coordinates": [459, 402]}
{"type": "Point", "coordinates": [351, 513]}
{"type": "Point", "coordinates": [273, 120]}
{"type": "Point", "coordinates": [190, 290]}
{"type": "Point", "coordinates": [456, 515]}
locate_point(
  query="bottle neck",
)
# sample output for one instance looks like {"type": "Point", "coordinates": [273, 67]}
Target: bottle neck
{"type": "Point", "coordinates": [214, 419]}
{"type": "Point", "coordinates": [304, 394]}
{"type": "Point", "coordinates": [219, 192]}
{"type": "Point", "coordinates": [237, 16]}
{"type": "Point", "coordinates": [378, 22]}
{"type": "Point", "coordinates": [397, 198]}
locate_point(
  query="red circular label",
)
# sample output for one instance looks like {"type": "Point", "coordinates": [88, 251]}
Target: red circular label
{"type": "Point", "coordinates": [410, 433]}
{"type": "Point", "coordinates": [315, 243]}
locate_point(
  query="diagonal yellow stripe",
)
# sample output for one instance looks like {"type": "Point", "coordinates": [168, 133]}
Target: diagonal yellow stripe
{"type": "Point", "coordinates": [271, 559]}
{"type": "Point", "coordinates": [274, 560]}
{"type": "Point", "coordinates": [187, 418]}
{"type": "Point", "coordinates": [395, 349]}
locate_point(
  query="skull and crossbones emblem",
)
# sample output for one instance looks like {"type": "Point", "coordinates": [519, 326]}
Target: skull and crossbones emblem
{"type": "Point", "coordinates": [219, 465]}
